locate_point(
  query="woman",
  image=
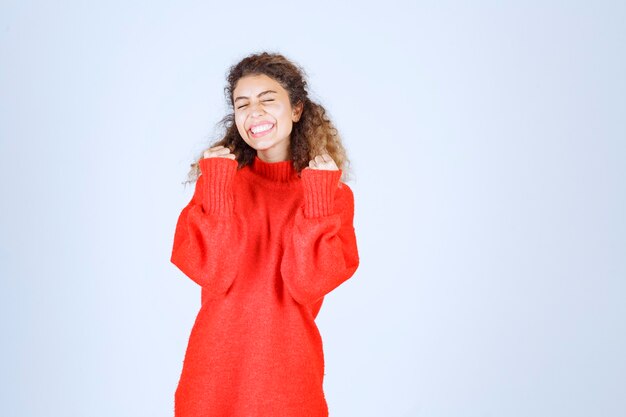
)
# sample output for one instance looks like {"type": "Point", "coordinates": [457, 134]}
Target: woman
{"type": "Point", "coordinates": [267, 234]}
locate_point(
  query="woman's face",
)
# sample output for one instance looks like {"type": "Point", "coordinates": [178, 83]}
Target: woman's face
{"type": "Point", "coordinates": [262, 103]}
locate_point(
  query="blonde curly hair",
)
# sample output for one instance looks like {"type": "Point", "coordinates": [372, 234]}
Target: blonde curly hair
{"type": "Point", "coordinates": [313, 134]}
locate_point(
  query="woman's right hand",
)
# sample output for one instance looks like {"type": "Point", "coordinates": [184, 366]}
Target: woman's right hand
{"type": "Point", "coordinates": [219, 152]}
{"type": "Point", "coordinates": [207, 241]}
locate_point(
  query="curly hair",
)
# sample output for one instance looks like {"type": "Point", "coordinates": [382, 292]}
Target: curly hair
{"type": "Point", "coordinates": [313, 134]}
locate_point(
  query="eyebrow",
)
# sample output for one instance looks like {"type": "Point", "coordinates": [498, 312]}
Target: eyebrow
{"type": "Point", "coordinates": [259, 95]}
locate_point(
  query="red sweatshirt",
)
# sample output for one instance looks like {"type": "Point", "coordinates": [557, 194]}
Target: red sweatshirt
{"type": "Point", "coordinates": [266, 246]}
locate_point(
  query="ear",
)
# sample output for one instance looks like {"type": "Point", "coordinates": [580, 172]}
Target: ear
{"type": "Point", "coordinates": [297, 111]}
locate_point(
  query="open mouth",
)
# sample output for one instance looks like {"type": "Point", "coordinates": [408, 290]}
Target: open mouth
{"type": "Point", "coordinates": [262, 132]}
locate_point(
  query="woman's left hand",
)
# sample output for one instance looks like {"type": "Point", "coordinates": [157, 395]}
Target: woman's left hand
{"type": "Point", "coordinates": [323, 161]}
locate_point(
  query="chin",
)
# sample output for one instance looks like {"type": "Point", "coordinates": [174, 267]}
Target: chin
{"type": "Point", "coordinates": [262, 147]}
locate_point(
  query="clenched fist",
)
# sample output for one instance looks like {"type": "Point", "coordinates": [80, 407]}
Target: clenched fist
{"type": "Point", "coordinates": [323, 161]}
{"type": "Point", "coordinates": [219, 152]}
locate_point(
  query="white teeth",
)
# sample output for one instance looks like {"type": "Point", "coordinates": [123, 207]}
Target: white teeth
{"type": "Point", "coordinates": [262, 128]}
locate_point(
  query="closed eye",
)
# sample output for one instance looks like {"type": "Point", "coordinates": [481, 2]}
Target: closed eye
{"type": "Point", "coordinates": [244, 105]}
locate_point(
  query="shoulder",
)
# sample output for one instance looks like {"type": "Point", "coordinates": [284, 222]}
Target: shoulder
{"type": "Point", "coordinates": [344, 198]}
{"type": "Point", "coordinates": [343, 188]}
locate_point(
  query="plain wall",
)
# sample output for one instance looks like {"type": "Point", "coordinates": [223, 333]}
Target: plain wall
{"type": "Point", "coordinates": [488, 148]}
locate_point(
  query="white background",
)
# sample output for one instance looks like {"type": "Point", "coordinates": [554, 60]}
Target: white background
{"type": "Point", "coordinates": [488, 147]}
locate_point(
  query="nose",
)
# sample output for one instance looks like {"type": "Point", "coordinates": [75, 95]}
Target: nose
{"type": "Point", "coordinates": [255, 109]}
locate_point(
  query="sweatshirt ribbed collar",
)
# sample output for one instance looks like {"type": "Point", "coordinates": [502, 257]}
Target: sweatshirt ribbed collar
{"type": "Point", "coordinates": [281, 171]}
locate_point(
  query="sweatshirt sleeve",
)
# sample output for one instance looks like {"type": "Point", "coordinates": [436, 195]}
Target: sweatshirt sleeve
{"type": "Point", "coordinates": [205, 240]}
{"type": "Point", "coordinates": [322, 251]}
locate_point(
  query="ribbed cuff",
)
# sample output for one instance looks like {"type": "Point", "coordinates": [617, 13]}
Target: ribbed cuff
{"type": "Point", "coordinates": [319, 186]}
{"type": "Point", "coordinates": [218, 175]}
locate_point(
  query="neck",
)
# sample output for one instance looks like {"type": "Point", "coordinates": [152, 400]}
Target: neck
{"type": "Point", "coordinates": [274, 155]}
{"type": "Point", "coordinates": [279, 171]}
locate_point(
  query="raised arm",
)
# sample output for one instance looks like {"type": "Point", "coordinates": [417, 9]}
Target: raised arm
{"type": "Point", "coordinates": [322, 252]}
{"type": "Point", "coordinates": [206, 245]}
